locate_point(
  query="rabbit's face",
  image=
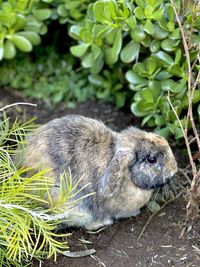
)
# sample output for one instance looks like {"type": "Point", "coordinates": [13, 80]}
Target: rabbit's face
{"type": "Point", "coordinates": [154, 163]}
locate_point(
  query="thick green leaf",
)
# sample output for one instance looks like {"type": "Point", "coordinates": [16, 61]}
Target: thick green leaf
{"type": "Point", "coordinates": [62, 11]}
{"type": "Point", "coordinates": [130, 52]}
{"type": "Point", "coordinates": [97, 60]}
{"type": "Point", "coordinates": [136, 111]}
{"type": "Point", "coordinates": [159, 33]}
{"type": "Point", "coordinates": [164, 105]}
{"type": "Point", "coordinates": [131, 22]}
{"type": "Point", "coordinates": [168, 45]}
{"type": "Point", "coordinates": [155, 46]}
{"type": "Point", "coordinates": [150, 65]}
{"type": "Point", "coordinates": [178, 132]}
{"type": "Point", "coordinates": [132, 77]}
{"type": "Point", "coordinates": [138, 34]}
{"type": "Point", "coordinates": [147, 107]}
{"type": "Point", "coordinates": [75, 32]}
{"type": "Point", "coordinates": [33, 25]}
{"type": "Point", "coordinates": [120, 99]}
{"type": "Point", "coordinates": [196, 96]}
{"type": "Point", "coordinates": [96, 79]}
{"type": "Point", "coordinates": [168, 85]}
{"type": "Point", "coordinates": [110, 10]}
{"type": "Point", "coordinates": [170, 13]}
{"type": "Point", "coordinates": [87, 61]}
{"type": "Point", "coordinates": [141, 3]}
{"type": "Point", "coordinates": [163, 75]}
{"type": "Point", "coordinates": [111, 54]}
{"type": "Point", "coordinates": [146, 119]}
{"type": "Point", "coordinates": [100, 31]}
{"type": "Point", "coordinates": [147, 95]}
{"type": "Point", "coordinates": [155, 87]}
{"type": "Point", "coordinates": [195, 40]}
{"type": "Point", "coordinates": [86, 36]}
{"type": "Point", "coordinates": [139, 67]}
{"type": "Point", "coordinates": [157, 15]}
{"type": "Point", "coordinates": [98, 8]}
{"type": "Point", "coordinates": [160, 120]}
{"type": "Point", "coordinates": [139, 13]}
{"type": "Point", "coordinates": [21, 43]}
{"type": "Point", "coordinates": [149, 27]}
{"type": "Point", "coordinates": [170, 26]}
{"type": "Point", "coordinates": [148, 11]}
{"type": "Point", "coordinates": [164, 57]}
{"type": "Point", "coordinates": [147, 41]}
{"type": "Point", "coordinates": [6, 8]}
{"type": "Point", "coordinates": [175, 34]}
{"type": "Point", "coordinates": [176, 70]}
{"type": "Point", "coordinates": [42, 14]}
{"type": "Point", "coordinates": [181, 86]}
{"type": "Point", "coordinates": [164, 132]}
{"type": "Point", "coordinates": [9, 50]}
{"type": "Point", "coordinates": [20, 22]}
{"type": "Point", "coordinates": [33, 37]}
{"type": "Point", "coordinates": [79, 50]}
{"type": "Point", "coordinates": [154, 3]}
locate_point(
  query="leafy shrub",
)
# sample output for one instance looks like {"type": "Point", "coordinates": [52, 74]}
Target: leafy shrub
{"type": "Point", "coordinates": [145, 32]}
{"type": "Point", "coordinates": [27, 229]}
{"type": "Point", "coordinates": [132, 52]}
{"type": "Point", "coordinates": [55, 79]}
{"type": "Point", "coordinates": [21, 24]}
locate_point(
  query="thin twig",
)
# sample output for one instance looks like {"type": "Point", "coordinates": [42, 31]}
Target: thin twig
{"type": "Point", "coordinates": [15, 104]}
{"type": "Point", "coordinates": [194, 169]}
{"type": "Point", "coordinates": [152, 215]}
{"type": "Point", "coordinates": [184, 173]}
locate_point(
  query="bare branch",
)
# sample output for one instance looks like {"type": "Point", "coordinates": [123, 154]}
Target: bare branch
{"type": "Point", "coordinates": [15, 104]}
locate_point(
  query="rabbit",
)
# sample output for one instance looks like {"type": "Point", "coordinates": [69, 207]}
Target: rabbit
{"type": "Point", "coordinates": [122, 168]}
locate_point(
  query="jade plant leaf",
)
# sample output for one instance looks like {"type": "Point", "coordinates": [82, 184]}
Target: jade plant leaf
{"type": "Point", "coordinates": [130, 52]}
{"type": "Point", "coordinates": [21, 43]}
{"type": "Point", "coordinates": [79, 50]}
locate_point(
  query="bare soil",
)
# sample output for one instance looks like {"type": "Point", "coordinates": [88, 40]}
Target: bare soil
{"type": "Point", "coordinates": [117, 245]}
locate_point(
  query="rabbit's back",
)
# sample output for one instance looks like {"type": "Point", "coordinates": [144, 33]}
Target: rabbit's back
{"type": "Point", "coordinates": [82, 144]}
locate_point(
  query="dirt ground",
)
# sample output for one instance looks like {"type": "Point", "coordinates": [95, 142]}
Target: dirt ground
{"type": "Point", "coordinates": [117, 245]}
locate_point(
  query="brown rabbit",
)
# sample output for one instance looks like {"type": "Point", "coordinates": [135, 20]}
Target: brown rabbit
{"type": "Point", "coordinates": [122, 168]}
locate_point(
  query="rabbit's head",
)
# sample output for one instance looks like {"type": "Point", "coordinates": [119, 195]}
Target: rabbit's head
{"type": "Point", "coordinates": [153, 162]}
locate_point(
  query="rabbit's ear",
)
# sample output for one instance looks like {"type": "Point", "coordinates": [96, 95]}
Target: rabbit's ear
{"type": "Point", "coordinates": [110, 182]}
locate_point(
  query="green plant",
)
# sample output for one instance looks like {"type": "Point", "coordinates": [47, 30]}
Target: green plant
{"type": "Point", "coordinates": [131, 51]}
{"type": "Point", "coordinates": [71, 11]}
{"type": "Point", "coordinates": [51, 78]}
{"type": "Point", "coordinates": [144, 31]}
{"type": "Point", "coordinates": [27, 229]}
{"type": "Point", "coordinates": [21, 24]}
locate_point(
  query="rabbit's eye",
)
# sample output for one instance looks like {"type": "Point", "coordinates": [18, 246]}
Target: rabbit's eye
{"type": "Point", "coordinates": [151, 159]}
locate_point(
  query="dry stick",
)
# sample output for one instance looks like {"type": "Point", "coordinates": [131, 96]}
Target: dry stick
{"type": "Point", "coordinates": [15, 104]}
{"type": "Point", "coordinates": [152, 215]}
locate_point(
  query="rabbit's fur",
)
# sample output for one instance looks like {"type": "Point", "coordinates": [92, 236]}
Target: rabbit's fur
{"type": "Point", "coordinates": [122, 168]}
